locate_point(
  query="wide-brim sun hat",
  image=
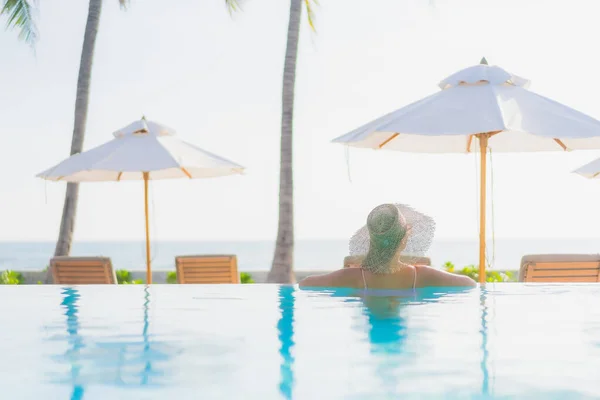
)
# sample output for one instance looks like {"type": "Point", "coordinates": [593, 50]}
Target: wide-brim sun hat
{"type": "Point", "coordinates": [420, 232]}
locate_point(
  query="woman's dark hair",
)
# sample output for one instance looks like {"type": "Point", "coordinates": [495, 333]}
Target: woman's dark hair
{"type": "Point", "coordinates": [386, 232]}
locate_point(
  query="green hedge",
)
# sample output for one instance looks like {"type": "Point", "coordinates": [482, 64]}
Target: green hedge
{"type": "Point", "coordinates": [124, 278]}
{"type": "Point", "coordinates": [9, 277]}
{"type": "Point", "coordinates": [246, 278]}
{"type": "Point", "coordinates": [172, 277]}
{"type": "Point", "coordinates": [473, 272]}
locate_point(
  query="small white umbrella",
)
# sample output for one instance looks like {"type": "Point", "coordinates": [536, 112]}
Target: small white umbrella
{"type": "Point", "coordinates": [590, 170]}
{"type": "Point", "coordinates": [143, 150]}
{"type": "Point", "coordinates": [490, 105]}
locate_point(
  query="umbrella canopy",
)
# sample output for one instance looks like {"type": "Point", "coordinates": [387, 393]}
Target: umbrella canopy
{"type": "Point", "coordinates": [475, 100]}
{"type": "Point", "coordinates": [143, 150]}
{"type": "Point", "coordinates": [142, 146]}
{"type": "Point", "coordinates": [480, 107]}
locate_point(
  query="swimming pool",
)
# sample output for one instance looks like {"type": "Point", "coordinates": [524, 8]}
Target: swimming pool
{"type": "Point", "coordinates": [279, 342]}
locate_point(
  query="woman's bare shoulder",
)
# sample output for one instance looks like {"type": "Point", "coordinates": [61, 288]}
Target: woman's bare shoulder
{"type": "Point", "coordinates": [341, 278]}
{"type": "Point", "coordinates": [429, 276]}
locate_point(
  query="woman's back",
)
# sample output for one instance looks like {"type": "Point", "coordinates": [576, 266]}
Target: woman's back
{"type": "Point", "coordinates": [407, 277]}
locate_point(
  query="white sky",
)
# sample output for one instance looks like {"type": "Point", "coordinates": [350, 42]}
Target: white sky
{"type": "Point", "coordinates": [217, 80]}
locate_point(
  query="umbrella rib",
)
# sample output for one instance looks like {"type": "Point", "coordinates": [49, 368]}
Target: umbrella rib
{"type": "Point", "coordinates": [185, 171]}
{"type": "Point", "coordinates": [394, 136]}
{"type": "Point", "coordinates": [119, 176]}
{"type": "Point", "coordinates": [561, 144]}
{"type": "Point", "coordinates": [469, 141]}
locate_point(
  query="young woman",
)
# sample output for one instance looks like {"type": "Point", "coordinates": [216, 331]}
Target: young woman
{"type": "Point", "coordinates": [389, 231]}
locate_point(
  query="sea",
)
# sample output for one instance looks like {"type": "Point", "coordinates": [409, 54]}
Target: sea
{"type": "Point", "coordinates": [504, 254]}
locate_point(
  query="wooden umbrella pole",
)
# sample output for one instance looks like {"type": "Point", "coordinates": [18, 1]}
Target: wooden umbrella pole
{"type": "Point", "coordinates": [148, 262]}
{"type": "Point", "coordinates": [483, 141]}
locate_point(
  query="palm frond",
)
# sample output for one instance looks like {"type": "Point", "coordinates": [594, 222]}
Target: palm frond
{"type": "Point", "coordinates": [310, 13]}
{"type": "Point", "coordinates": [20, 16]}
{"type": "Point", "coordinates": [233, 5]}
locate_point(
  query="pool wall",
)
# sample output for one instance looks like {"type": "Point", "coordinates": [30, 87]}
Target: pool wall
{"type": "Point", "coordinates": [160, 276]}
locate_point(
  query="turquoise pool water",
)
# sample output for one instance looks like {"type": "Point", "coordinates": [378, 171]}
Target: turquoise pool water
{"type": "Point", "coordinates": [279, 342]}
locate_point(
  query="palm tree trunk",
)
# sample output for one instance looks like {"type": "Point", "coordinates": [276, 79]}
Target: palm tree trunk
{"type": "Point", "coordinates": [282, 269]}
{"type": "Point", "coordinates": [67, 224]}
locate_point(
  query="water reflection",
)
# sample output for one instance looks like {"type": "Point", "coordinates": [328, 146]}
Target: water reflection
{"type": "Point", "coordinates": [71, 296]}
{"type": "Point", "coordinates": [484, 342]}
{"type": "Point", "coordinates": [285, 330]}
{"type": "Point", "coordinates": [134, 353]}
{"type": "Point", "coordinates": [387, 332]}
{"type": "Point", "coordinates": [387, 328]}
{"type": "Point", "coordinates": [117, 359]}
{"type": "Point", "coordinates": [395, 344]}
{"type": "Point", "coordinates": [148, 367]}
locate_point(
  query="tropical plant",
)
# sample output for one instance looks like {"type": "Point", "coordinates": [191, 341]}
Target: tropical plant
{"type": "Point", "coordinates": [9, 277]}
{"type": "Point", "coordinates": [282, 268]}
{"type": "Point", "coordinates": [246, 278]}
{"type": "Point", "coordinates": [473, 272]}
{"type": "Point", "coordinates": [20, 16]}
{"type": "Point", "coordinates": [172, 277]}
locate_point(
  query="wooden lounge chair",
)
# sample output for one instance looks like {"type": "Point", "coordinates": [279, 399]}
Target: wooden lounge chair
{"type": "Point", "coordinates": [207, 269]}
{"type": "Point", "coordinates": [356, 261]}
{"type": "Point", "coordinates": [560, 268]}
{"type": "Point", "coordinates": [82, 271]}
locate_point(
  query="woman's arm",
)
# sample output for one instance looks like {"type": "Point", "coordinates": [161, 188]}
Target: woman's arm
{"type": "Point", "coordinates": [339, 278]}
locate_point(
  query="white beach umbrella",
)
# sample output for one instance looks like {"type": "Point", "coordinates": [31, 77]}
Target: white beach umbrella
{"type": "Point", "coordinates": [480, 107]}
{"type": "Point", "coordinates": [143, 150]}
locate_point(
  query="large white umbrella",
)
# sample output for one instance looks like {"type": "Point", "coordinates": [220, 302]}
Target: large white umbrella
{"type": "Point", "coordinates": [143, 150]}
{"type": "Point", "coordinates": [480, 107]}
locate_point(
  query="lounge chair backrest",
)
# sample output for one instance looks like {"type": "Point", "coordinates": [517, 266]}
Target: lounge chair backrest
{"type": "Point", "coordinates": [207, 269]}
{"type": "Point", "coordinates": [356, 261]}
{"type": "Point", "coordinates": [560, 268]}
{"type": "Point", "coordinates": [82, 271]}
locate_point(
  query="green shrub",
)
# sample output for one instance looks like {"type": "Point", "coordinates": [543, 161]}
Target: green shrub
{"type": "Point", "coordinates": [124, 278]}
{"type": "Point", "coordinates": [9, 277]}
{"type": "Point", "coordinates": [246, 278]}
{"type": "Point", "coordinates": [448, 266]}
{"type": "Point", "coordinates": [472, 272]}
{"type": "Point", "coordinates": [172, 277]}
